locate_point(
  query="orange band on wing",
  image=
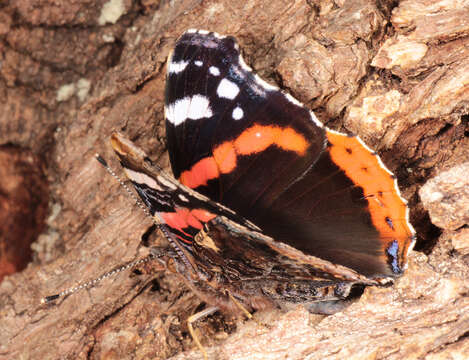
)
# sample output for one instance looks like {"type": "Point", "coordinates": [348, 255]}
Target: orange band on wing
{"type": "Point", "coordinates": [290, 140]}
{"type": "Point", "coordinates": [203, 170]}
{"type": "Point", "coordinates": [257, 138]}
{"type": "Point", "coordinates": [225, 157]}
{"type": "Point", "coordinates": [253, 140]}
{"type": "Point", "coordinates": [366, 171]}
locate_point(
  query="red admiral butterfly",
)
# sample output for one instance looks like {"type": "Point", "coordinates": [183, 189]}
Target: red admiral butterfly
{"type": "Point", "coordinates": [271, 208]}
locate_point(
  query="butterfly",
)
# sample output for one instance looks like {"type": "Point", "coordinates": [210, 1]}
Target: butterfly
{"type": "Point", "coordinates": [267, 206]}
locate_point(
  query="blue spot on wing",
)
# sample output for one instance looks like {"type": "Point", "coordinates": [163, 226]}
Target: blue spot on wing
{"type": "Point", "coordinates": [393, 255]}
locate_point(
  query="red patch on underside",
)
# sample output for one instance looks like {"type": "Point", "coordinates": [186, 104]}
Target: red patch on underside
{"type": "Point", "coordinates": [183, 218]}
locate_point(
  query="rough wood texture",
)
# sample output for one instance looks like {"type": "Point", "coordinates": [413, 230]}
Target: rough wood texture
{"type": "Point", "coordinates": [395, 73]}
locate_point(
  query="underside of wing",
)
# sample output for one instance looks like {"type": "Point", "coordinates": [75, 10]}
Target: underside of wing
{"type": "Point", "coordinates": [169, 202]}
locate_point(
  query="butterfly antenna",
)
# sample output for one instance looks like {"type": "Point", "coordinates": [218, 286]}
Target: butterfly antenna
{"type": "Point", "coordinates": [132, 264]}
{"type": "Point", "coordinates": [92, 283]}
{"type": "Point", "coordinates": [125, 186]}
{"type": "Point", "coordinates": [160, 223]}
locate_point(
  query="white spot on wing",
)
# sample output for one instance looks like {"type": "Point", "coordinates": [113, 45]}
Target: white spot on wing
{"type": "Point", "coordinates": [198, 63]}
{"type": "Point", "coordinates": [214, 70]}
{"type": "Point", "coordinates": [194, 108]}
{"type": "Point", "coordinates": [166, 182]}
{"type": "Point", "coordinates": [183, 198]}
{"type": "Point", "coordinates": [142, 178]}
{"type": "Point", "coordinates": [177, 67]}
{"type": "Point", "coordinates": [205, 32]}
{"type": "Point", "coordinates": [227, 89]}
{"type": "Point", "coordinates": [217, 35]}
{"type": "Point", "coordinates": [238, 113]}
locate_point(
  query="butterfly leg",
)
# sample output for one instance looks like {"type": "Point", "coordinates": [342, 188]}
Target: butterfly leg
{"type": "Point", "coordinates": [239, 305]}
{"type": "Point", "coordinates": [244, 310]}
{"type": "Point", "coordinates": [192, 319]}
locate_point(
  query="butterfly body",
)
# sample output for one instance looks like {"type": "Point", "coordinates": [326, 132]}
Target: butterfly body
{"type": "Point", "coordinates": [270, 207]}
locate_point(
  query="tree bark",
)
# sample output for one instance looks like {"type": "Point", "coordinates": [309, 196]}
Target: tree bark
{"type": "Point", "coordinates": [71, 73]}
